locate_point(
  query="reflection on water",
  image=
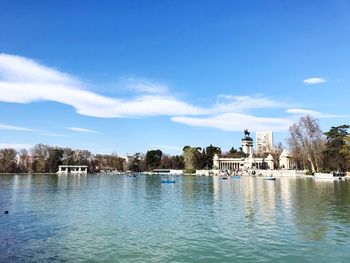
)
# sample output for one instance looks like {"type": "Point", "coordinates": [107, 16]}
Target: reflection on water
{"type": "Point", "coordinates": [127, 219]}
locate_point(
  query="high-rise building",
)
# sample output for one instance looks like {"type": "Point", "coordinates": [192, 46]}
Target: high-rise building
{"type": "Point", "coordinates": [264, 141]}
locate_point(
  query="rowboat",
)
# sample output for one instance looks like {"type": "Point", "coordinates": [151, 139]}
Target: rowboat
{"type": "Point", "coordinates": [270, 178]}
{"type": "Point", "coordinates": [167, 181]}
{"type": "Point", "coordinates": [326, 176]}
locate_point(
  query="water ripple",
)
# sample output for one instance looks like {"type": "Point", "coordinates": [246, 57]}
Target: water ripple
{"type": "Point", "coordinates": [198, 219]}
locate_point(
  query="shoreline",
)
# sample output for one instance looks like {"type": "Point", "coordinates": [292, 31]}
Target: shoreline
{"type": "Point", "coordinates": [207, 173]}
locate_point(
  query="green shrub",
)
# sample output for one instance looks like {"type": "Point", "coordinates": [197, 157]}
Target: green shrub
{"type": "Point", "coordinates": [190, 171]}
{"type": "Point", "coordinates": [309, 172]}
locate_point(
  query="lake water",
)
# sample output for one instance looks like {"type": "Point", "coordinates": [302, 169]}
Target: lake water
{"type": "Point", "coordinates": [199, 219]}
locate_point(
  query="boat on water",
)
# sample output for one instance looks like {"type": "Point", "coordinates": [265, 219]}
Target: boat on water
{"type": "Point", "coordinates": [270, 178]}
{"type": "Point", "coordinates": [236, 177]}
{"type": "Point", "coordinates": [223, 175]}
{"type": "Point", "coordinates": [327, 176]}
{"type": "Point", "coordinates": [167, 181]}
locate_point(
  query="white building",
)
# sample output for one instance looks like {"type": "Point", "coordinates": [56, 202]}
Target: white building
{"type": "Point", "coordinates": [72, 169]}
{"type": "Point", "coordinates": [248, 162]}
{"type": "Point", "coordinates": [286, 160]}
{"type": "Point", "coordinates": [251, 162]}
{"type": "Point", "coordinates": [264, 141]}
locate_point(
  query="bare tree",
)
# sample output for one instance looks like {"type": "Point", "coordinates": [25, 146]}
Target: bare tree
{"type": "Point", "coordinates": [307, 143]}
{"type": "Point", "coordinates": [24, 161]}
{"type": "Point", "coordinates": [67, 158]}
{"type": "Point", "coordinates": [40, 153]}
{"type": "Point", "coordinates": [276, 153]}
{"type": "Point", "coordinates": [80, 157]}
{"type": "Point", "coordinates": [8, 161]}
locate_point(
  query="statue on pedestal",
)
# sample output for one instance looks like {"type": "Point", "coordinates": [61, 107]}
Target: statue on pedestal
{"type": "Point", "coordinates": [246, 133]}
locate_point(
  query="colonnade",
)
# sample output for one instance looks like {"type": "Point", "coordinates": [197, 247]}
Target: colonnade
{"type": "Point", "coordinates": [231, 165]}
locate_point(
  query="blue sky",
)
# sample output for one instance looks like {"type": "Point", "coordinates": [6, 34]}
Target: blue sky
{"type": "Point", "coordinates": [128, 76]}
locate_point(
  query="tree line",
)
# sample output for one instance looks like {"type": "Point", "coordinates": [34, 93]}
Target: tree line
{"type": "Point", "coordinates": [311, 148]}
{"type": "Point", "coordinates": [319, 151]}
{"type": "Point", "coordinates": [43, 158]}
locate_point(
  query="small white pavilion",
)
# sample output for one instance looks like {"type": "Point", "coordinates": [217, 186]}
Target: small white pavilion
{"type": "Point", "coordinates": [72, 169]}
{"type": "Point", "coordinates": [286, 160]}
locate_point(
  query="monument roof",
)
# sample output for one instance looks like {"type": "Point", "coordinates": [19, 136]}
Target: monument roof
{"type": "Point", "coordinates": [285, 153]}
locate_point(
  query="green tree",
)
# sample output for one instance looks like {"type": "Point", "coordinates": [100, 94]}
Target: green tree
{"type": "Point", "coordinates": [337, 151]}
{"type": "Point", "coordinates": [191, 156]}
{"type": "Point", "coordinates": [200, 159]}
{"type": "Point", "coordinates": [153, 159]}
{"type": "Point", "coordinates": [136, 163]}
{"type": "Point", "coordinates": [178, 162]}
{"type": "Point", "coordinates": [210, 152]}
{"type": "Point", "coordinates": [234, 153]}
{"type": "Point", "coordinates": [54, 160]}
{"type": "Point", "coordinates": [172, 162]}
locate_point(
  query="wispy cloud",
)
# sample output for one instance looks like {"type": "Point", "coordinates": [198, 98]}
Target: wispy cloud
{"type": "Point", "coordinates": [53, 135]}
{"type": "Point", "coordinates": [144, 86]}
{"type": "Point", "coordinates": [15, 128]}
{"type": "Point", "coordinates": [315, 114]}
{"type": "Point", "coordinates": [24, 81]}
{"type": "Point", "coordinates": [231, 103]}
{"type": "Point", "coordinates": [236, 122]}
{"type": "Point", "coordinates": [314, 81]}
{"type": "Point", "coordinates": [77, 129]}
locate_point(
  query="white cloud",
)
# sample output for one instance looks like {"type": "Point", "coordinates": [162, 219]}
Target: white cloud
{"type": "Point", "coordinates": [24, 81]}
{"type": "Point", "coordinates": [301, 111]}
{"type": "Point", "coordinates": [53, 135]}
{"type": "Point", "coordinates": [145, 86]}
{"type": "Point", "coordinates": [19, 69]}
{"type": "Point", "coordinates": [313, 81]}
{"type": "Point", "coordinates": [14, 128]}
{"type": "Point", "coordinates": [237, 122]}
{"type": "Point", "coordinates": [76, 129]}
{"type": "Point", "coordinates": [230, 103]}
{"type": "Point", "coordinates": [315, 114]}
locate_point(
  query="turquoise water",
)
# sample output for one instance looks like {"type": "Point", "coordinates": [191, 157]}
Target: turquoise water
{"type": "Point", "coordinates": [199, 219]}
